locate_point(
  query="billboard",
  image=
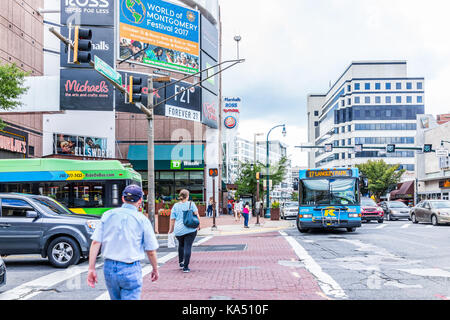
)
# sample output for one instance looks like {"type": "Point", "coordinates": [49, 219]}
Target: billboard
{"type": "Point", "coordinates": [102, 46]}
{"type": "Point", "coordinates": [87, 12]}
{"type": "Point", "coordinates": [186, 105]}
{"type": "Point", "coordinates": [210, 109]}
{"type": "Point", "coordinates": [212, 84]}
{"type": "Point", "coordinates": [231, 112]}
{"type": "Point", "coordinates": [79, 146]}
{"type": "Point", "coordinates": [169, 33]}
{"type": "Point", "coordinates": [85, 89]}
{"type": "Point", "coordinates": [210, 39]}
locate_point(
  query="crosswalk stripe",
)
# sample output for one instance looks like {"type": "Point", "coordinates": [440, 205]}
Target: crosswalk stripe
{"type": "Point", "coordinates": [381, 226]}
{"type": "Point", "coordinates": [405, 226]}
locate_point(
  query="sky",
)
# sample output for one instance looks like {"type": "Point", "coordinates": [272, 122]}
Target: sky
{"type": "Point", "coordinates": [297, 47]}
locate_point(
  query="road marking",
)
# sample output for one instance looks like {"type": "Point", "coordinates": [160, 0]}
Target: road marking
{"type": "Point", "coordinates": [148, 269]}
{"type": "Point", "coordinates": [295, 274]}
{"type": "Point", "coordinates": [405, 226]}
{"type": "Point", "coordinates": [431, 272]}
{"type": "Point", "coordinates": [326, 282]}
{"type": "Point", "coordinates": [32, 288]}
{"type": "Point", "coordinates": [382, 226]}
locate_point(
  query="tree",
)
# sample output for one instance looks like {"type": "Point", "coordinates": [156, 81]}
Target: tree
{"type": "Point", "coordinates": [246, 180]}
{"type": "Point", "coordinates": [381, 176]}
{"type": "Point", "coordinates": [294, 196]}
{"type": "Point", "coordinates": [11, 87]}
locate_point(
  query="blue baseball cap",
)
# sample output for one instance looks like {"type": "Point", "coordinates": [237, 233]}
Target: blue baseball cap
{"type": "Point", "coordinates": [133, 193]}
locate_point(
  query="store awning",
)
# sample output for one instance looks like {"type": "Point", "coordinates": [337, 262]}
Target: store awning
{"type": "Point", "coordinates": [406, 190]}
{"type": "Point", "coordinates": [168, 157]}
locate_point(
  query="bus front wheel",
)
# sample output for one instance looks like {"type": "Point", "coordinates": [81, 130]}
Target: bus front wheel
{"type": "Point", "coordinates": [351, 229]}
{"type": "Point", "coordinates": [299, 227]}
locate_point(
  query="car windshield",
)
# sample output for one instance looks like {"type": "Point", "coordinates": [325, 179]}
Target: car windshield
{"type": "Point", "coordinates": [329, 192]}
{"type": "Point", "coordinates": [440, 204]}
{"type": "Point", "coordinates": [397, 204]}
{"type": "Point", "coordinates": [51, 205]}
{"type": "Point", "coordinates": [367, 202]}
{"type": "Point", "coordinates": [291, 204]}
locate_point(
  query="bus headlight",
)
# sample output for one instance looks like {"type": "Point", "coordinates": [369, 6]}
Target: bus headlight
{"type": "Point", "coordinates": [354, 215]}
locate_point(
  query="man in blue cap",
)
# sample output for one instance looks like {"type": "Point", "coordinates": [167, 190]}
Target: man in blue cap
{"type": "Point", "coordinates": [125, 235]}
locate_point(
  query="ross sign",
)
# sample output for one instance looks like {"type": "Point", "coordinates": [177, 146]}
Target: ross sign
{"type": "Point", "coordinates": [328, 173]}
{"type": "Point", "coordinates": [210, 109]}
{"type": "Point", "coordinates": [79, 146]}
{"type": "Point", "coordinates": [442, 152]}
{"type": "Point", "coordinates": [85, 89]}
{"type": "Point", "coordinates": [87, 12]}
{"type": "Point", "coordinates": [108, 71]}
{"type": "Point", "coordinates": [169, 33]}
{"type": "Point", "coordinates": [102, 46]}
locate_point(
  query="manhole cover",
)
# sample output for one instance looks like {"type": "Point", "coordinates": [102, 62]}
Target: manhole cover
{"type": "Point", "coordinates": [231, 247]}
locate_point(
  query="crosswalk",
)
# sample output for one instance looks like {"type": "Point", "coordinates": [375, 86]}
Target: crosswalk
{"type": "Point", "coordinates": [397, 225]}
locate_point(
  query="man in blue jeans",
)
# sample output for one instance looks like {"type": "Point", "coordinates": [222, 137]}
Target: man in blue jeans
{"type": "Point", "coordinates": [125, 235]}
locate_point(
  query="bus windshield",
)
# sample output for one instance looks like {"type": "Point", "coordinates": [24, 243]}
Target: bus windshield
{"type": "Point", "coordinates": [320, 192]}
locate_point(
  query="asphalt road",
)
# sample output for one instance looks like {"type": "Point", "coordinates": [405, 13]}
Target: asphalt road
{"type": "Point", "coordinates": [390, 261]}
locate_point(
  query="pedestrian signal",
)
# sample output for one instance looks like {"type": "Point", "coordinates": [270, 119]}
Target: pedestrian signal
{"type": "Point", "coordinates": [213, 172]}
{"type": "Point", "coordinates": [82, 46]}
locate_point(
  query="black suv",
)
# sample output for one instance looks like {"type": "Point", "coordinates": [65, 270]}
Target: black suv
{"type": "Point", "coordinates": [31, 224]}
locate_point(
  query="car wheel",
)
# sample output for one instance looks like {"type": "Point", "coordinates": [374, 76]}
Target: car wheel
{"type": "Point", "coordinates": [414, 219]}
{"type": "Point", "coordinates": [351, 229]}
{"type": "Point", "coordinates": [380, 221]}
{"type": "Point", "coordinates": [434, 220]}
{"type": "Point", "coordinates": [63, 252]}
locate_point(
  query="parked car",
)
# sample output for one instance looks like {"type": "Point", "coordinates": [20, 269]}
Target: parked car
{"type": "Point", "coordinates": [395, 210]}
{"type": "Point", "coordinates": [2, 272]}
{"type": "Point", "coordinates": [289, 210]}
{"type": "Point", "coordinates": [31, 224]}
{"type": "Point", "coordinates": [434, 211]}
{"type": "Point", "coordinates": [371, 211]}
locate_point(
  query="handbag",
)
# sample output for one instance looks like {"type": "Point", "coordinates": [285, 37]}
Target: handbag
{"type": "Point", "coordinates": [190, 220]}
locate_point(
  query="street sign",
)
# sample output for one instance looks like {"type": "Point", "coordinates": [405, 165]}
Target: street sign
{"type": "Point", "coordinates": [442, 153]}
{"type": "Point", "coordinates": [390, 148]}
{"type": "Point", "coordinates": [427, 148]}
{"type": "Point", "coordinates": [107, 71]}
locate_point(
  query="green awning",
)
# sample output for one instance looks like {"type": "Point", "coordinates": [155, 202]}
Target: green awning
{"type": "Point", "coordinates": [168, 157]}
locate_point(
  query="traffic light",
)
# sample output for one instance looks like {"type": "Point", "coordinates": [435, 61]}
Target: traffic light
{"type": "Point", "coordinates": [134, 89]}
{"type": "Point", "coordinates": [258, 174]}
{"type": "Point", "coordinates": [427, 148]}
{"type": "Point", "coordinates": [390, 148]}
{"type": "Point", "coordinates": [82, 45]}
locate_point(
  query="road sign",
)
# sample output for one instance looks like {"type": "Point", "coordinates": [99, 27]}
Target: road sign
{"type": "Point", "coordinates": [427, 148]}
{"type": "Point", "coordinates": [442, 153]}
{"type": "Point", "coordinates": [390, 148]}
{"type": "Point", "coordinates": [107, 71]}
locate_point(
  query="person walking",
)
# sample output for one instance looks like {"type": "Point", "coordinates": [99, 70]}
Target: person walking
{"type": "Point", "coordinates": [209, 210]}
{"type": "Point", "coordinates": [124, 235]}
{"type": "Point", "coordinates": [184, 235]}
{"type": "Point", "coordinates": [237, 210]}
{"type": "Point", "coordinates": [246, 214]}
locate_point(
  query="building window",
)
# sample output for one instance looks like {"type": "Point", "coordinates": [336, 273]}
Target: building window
{"type": "Point", "coordinates": [343, 142]}
{"type": "Point", "coordinates": [343, 156]}
{"type": "Point", "coordinates": [343, 129]}
{"type": "Point", "coordinates": [367, 86]}
{"type": "Point", "coordinates": [398, 86]}
{"type": "Point", "coordinates": [398, 99]}
{"type": "Point", "coordinates": [349, 142]}
{"type": "Point", "coordinates": [343, 103]}
{"type": "Point", "coordinates": [408, 85]}
{"type": "Point", "coordinates": [367, 100]}
{"type": "Point", "coordinates": [377, 86]}
{"type": "Point", "coordinates": [316, 123]}
{"type": "Point", "coordinates": [377, 99]}
{"type": "Point", "coordinates": [349, 88]}
{"type": "Point", "coordinates": [357, 100]}
{"type": "Point", "coordinates": [349, 128]}
{"type": "Point", "coordinates": [316, 113]}
{"type": "Point", "coordinates": [357, 86]}
{"type": "Point", "coordinates": [388, 86]}
{"type": "Point", "coordinates": [419, 86]}
{"type": "Point", "coordinates": [349, 101]}
{"type": "Point", "coordinates": [388, 99]}
{"type": "Point", "coordinates": [408, 99]}
{"type": "Point", "coordinates": [419, 99]}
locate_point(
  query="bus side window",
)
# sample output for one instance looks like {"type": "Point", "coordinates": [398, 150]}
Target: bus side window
{"type": "Point", "coordinates": [115, 195]}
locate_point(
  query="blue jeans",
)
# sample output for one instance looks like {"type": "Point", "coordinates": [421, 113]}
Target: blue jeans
{"type": "Point", "coordinates": [123, 280]}
{"type": "Point", "coordinates": [245, 219]}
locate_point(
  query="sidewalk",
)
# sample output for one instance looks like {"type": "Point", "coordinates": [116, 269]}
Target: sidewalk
{"type": "Point", "coordinates": [239, 264]}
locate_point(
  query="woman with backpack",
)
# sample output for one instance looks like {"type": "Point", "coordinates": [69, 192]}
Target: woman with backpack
{"type": "Point", "coordinates": [184, 234]}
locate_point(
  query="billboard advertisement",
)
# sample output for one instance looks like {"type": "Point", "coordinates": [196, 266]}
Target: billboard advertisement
{"type": "Point", "coordinates": [186, 105]}
{"type": "Point", "coordinates": [79, 146]}
{"type": "Point", "coordinates": [85, 89]}
{"type": "Point", "coordinates": [212, 84]}
{"type": "Point", "coordinates": [231, 112]}
{"type": "Point", "coordinates": [87, 12]}
{"type": "Point", "coordinates": [169, 33]}
{"type": "Point", "coordinates": [210, 39]}
{"type": "Point", "coordinates": [210, 109]}
{"type": "Point", "coordinates": [102, 46]}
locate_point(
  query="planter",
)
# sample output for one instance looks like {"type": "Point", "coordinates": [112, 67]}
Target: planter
{"type": "Point", "coordinates": [275, 214]}
{"type": "Point", "coordinates": [201, 210]}
{"type": "Point", "coordinates": [163, 221]}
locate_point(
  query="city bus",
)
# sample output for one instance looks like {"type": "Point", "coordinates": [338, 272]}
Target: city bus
{"type": "Point", "coordinates": [85, 187]}
{"type": "Point", "coordinates": [329, 199]}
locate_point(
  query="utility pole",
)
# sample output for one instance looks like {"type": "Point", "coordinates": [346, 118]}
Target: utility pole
{"type": "Point", "coordinates": [151, 154]}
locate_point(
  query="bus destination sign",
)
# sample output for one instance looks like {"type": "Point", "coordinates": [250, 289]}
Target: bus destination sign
{"type": "Point", "coordinates": [329, 173]}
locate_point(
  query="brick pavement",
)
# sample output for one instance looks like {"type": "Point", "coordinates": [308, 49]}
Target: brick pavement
{"type": "Point", "coordinates": [263, 271]}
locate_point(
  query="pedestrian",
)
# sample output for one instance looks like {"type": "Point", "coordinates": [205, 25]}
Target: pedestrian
{"type": "Point", "coordinates": [246, 214]}
{"type": "Point", "coordinates": [237, 210]}
{"type": "Point", "coordinates": [209, 210]}
{"type": "Point", "coordinates": [124, 235]}
{"type": "Point", "coordinates": [230, 208]}
{"type": "Point", "coordinates": [184, 235]}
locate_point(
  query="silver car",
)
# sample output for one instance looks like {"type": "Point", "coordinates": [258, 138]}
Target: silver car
{"type": "Point", "coordinates": [434, 211]}
{"type": "Point", "coordinates": [2, 273]}
{"type": "Point", "coordinates": [395, 210]}
{"type": "Point", "coordinates": [289, 210]}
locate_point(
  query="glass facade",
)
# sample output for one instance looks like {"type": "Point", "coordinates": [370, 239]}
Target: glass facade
{"type": "Point", "coordinates": [385, 126]}
{"type": "Point", "coordinates": [384, 140]}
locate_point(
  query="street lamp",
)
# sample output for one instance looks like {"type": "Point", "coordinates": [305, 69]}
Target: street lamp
{"type": "Point", "coordinates": [257, 184]}
{"type": "Point", "coordinates": [267, 215]}
{"type": "Point", "coordinates": [237, 39]}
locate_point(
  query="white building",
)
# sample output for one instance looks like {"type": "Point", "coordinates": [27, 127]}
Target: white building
{"type": "Point", "coordinates": [373, 103]}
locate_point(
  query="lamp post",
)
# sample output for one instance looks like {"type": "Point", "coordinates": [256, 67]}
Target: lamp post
{"type": "Point", "coordinates": [257, 184]}
{"type": "Point", "coordinates": [267, 215]}
{"type": "Point", "coordinates": [237, 39]}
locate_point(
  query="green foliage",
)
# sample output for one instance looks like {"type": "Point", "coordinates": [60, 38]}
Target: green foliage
{"type": "Point", "coordinates": [275, 205]}
{"type": "Point", "coordinates": [381, 176]}
{"type": "Point", "coordinates": [246, 182]}
{"type": "Point", "coordinates": [11, 87]}
{"type": "Point", "coordinates": [294, 196]}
